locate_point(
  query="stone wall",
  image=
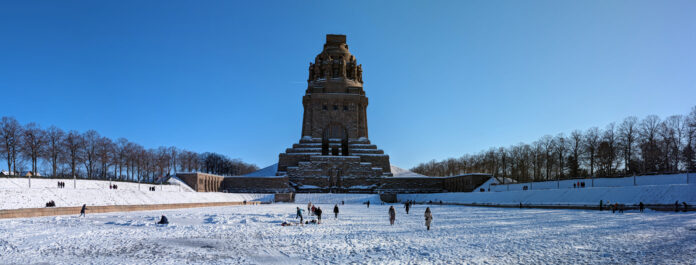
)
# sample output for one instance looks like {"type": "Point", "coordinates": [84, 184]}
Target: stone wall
{"type": "Point", "coordinates": [461, 183]}
{"type": "Point", "coordinates": [256, 184]}
{"type": "Point", "coordinates": [413, 185]}
{"type": "Point", "coordinates": [335, 174]}
{"type": "Point", "coordinates": [37, 212]}
{"type": "Point", "coordinates": [201, 182]}
{"type": "Point", "coordinates": [465, 183]}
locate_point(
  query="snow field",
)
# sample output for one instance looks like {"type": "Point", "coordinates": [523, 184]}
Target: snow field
{"type": "Point", "coordinates": [599, 182]}
{"type": "Point", "coordinates": [15, 194]}
{"type": "Point", "coordinates": [649, 194]}
{"type": "Point", "coordinates": [253, 235]}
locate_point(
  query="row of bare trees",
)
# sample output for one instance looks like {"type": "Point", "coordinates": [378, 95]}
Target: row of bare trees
{"type": "Point", "coordinates": [632, 147]}
{"type": "Point", "coordinates": [58, 153]}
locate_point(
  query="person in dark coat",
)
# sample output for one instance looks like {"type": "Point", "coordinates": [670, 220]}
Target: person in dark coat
{"type": "Point", "coordinates": [686, 207]}
{"type": "Point", "coordinates": [335, 211]}
{"type": "Point", "coordinates": [317, 211]}
{"type": "Point", "coordinates": [392, 215]}
{"type": "Point", "coordinates": [407, 206]}
{"type": "Point", "coordinates": [368, 204]}
{"type": "Point", "coordinates": [601, 207]}
{"type": "Point", "coordinates": [84, 209]}
{"type": "Point", "coordinates": [428, 217]}
{"type": "Point", "coordinates": [299, 214]}
{"type": "Point", "coordinates": [163, 221]}
{"type": "Point", "coordinates": [641, 207]}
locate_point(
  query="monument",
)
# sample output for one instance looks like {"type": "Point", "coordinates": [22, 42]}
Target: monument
{"type": "Point", "coordinates": [334, 152]}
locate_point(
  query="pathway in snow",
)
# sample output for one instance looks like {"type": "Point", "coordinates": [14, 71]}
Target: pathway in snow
{"type": "Point", "coordinates": [253, 235]}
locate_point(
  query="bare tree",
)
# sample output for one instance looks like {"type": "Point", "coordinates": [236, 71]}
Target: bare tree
{"type": "Point", "coordinates": [54, 147]}
{"type": "Point", "coordinates": [548, 143]}
{"type": "Point", "coordinates": [33, 139]}
{"type": "Point", "coordinates": [104, 154]}
{"type": "Point", "coordinates": [561, 149]}
{"type": "Point", "coordinates": [689, 151]}
{"type": "Point", "coordinates": [91, 142]}
{"type": "Point", "coordinates": [73, 143]}
{"type": "Point", "coordinates": [576, 149]}
{"type": "Point", "coordinates": [10, 132]}
{"type": "Point", "coordinates": [628, 131]}
{"type": "Point", "coordinates": [607, 151]}
{"type": "Point", "coordinates": [649, 146]}
{"type": "Point", "coordinates": [592, 141]}
{"type": "Point", "coordinates": [120, 154]}
{"type": "Point", "coordinates": [173, 153]}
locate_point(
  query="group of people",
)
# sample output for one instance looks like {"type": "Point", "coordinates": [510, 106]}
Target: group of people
{"type": "Point", "coordinates": [616, 207]}
{"type": "Point", "coordinates": [61, 184]}
{"type": "Point", "coordinates": [316, 211]}
{"type": "Point", "coordinates": [676, 206]}
{"type": "Point", "coordinates": [51, 203]}
{"type": "Point", "coordinates": [313, 210]}
{"type": "Point", "coordinates": [579, 184]}
{"type": "Point", "coordinates": [428, 214]}
{"type": "Point", "coordinates": [152, 188]}
{"type": "Point", "coordinates": [113, 187]}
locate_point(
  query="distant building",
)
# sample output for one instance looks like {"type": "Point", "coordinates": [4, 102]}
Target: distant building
{"type": "Point", "coordinates": [6, 173]}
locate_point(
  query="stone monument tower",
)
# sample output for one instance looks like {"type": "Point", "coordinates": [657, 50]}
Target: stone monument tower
{"type": "Point", "coordinates": [334, 153]}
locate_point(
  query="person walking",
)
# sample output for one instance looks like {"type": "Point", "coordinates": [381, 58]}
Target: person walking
{"type": "Point", "coordinates": [686, 207]}
{"type": "Point", "coordinates": [84, 209]}
{"type": "Point", "coordinates": [309, 207]}
{"type": "Point", "coordinates": [428, 217]}
{"type": "Point", "coordinates": [641, 207]}
{"type": "Point", "coordinates": [392, 215]}
{"type": "Point", "coordinates": [600, 206]}
{"type": "Point", "coordinates": [299, 214]}
{"type": "Point", "coordinates": [407, 206]}
{"type": "Point", "coordinates": [335, 211]}
{"type": "Point", "coordinates": [368, 204]}
{"type": "Point", "coordinates": [317, 211]}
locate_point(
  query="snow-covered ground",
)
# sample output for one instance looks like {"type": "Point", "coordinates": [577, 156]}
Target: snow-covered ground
{"type": "Point", "coordinates": [253, 235]}
{"type": "Point", "coordinates": [15, 193]}
{"type": "Point", "coordinates": [600, 182]}
{"type": "Point", "coordinates": [648, 194]}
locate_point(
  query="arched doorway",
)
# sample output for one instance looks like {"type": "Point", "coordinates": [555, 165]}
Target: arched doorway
{"type": "Point", "coordinates": [334, 132]}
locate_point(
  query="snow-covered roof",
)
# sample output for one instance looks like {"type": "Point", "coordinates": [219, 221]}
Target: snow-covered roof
{"type": "Point", "coordinates": [403, 173]}
{"type": "Point", "coordinates": [269, 171]}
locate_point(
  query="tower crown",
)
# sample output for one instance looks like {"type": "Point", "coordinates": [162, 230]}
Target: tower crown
{"type": "Point", "coordinates": [335, 70]}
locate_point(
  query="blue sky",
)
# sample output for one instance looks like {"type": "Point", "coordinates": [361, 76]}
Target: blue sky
{"type": "Point", "coordinates": [444, 78]}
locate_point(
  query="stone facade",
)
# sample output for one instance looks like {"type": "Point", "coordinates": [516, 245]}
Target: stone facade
{"type": "Point", "coordinates": [201, 182]}
{"type": "Point", "coordinates": [242, 184]}
{"type": "Point", "coordinates": [334, 153]}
